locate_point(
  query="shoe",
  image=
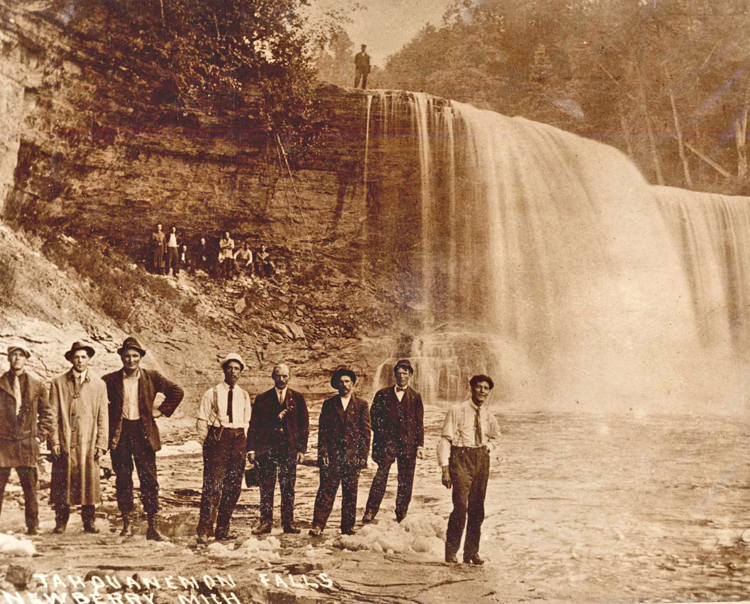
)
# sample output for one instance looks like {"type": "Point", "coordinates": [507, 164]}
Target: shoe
{"type": "Point", "coordinates": [349, 531]}
{"type": "Point", "coordinates": [202, 540]}
{"type": "Point", "coordinates": [127, 526]}
{"type": "Point", "coordinates": [290, 529]}
{"type": "Point", "coordinates": [90, 527]}
{"type": "Point", "coordinates": [400, 517]}
{"type": "Point", "coordinates": [32, 530]}
{"type": "Point", "coordinates": [316, 531]}
{"type": "Point", "coordinates": [262, 529]}
{"type": "Point", "coordinates": [475, 559]}
{"type": "Point", "coordinates": [368, 517]}
{"type": "Point", "coordinates": [59, 528]}
{"type": "Point", "coordinates": [451, 559]}
{"type": "Point", "coordinates": [225, 536]}
{"type": "Point", "coordinates": [153, 534]}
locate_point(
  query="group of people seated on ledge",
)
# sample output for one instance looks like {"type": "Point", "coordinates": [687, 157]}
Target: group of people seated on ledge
{"type": "Point", "coordinates": [168, 254]}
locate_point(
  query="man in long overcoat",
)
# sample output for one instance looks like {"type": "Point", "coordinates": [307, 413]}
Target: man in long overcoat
{"type": "Point", "coordinates": [24, 422]}
{"type": "Point", "coordinates": [133, 433]}
{"type": "Point", "coordinates": [277, 440]}
{"type": "Point", "coordinates": [343, 446]}
{"type": "Point", "coordinates": [397, 415]}
{"type": "Point", "coordinates": [78, 440]}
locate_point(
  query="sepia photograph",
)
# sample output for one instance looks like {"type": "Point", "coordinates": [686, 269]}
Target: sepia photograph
{"type": "Point", "coordinates": [469, 280]}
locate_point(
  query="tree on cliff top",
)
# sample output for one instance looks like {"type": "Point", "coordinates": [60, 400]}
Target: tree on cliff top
{"type": "Point", "coordinates": [203, 51]}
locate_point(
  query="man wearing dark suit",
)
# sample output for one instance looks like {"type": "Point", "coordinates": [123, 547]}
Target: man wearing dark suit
{"type": "Point", "coordinates": [343, 446]}
{"type": "Point", "coordinates": [133, 433]}
{"type": "Point", "coordinates": [362, 67]}
{"type": "Point", "coordinates": [277, 440]}
{"type": "Point", "coordinates": [24, 422]}
{"type": "Point", "coordinates": [397, 415]}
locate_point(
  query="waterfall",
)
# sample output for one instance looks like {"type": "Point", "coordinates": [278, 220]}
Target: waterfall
{"type": "Point", "coordinates": [548, 261]}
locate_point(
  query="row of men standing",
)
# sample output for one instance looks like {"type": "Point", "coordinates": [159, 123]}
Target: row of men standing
{"type": "Point", "coordinates": [87, 416]}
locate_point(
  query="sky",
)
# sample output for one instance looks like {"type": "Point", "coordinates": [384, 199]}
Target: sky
{"type": "Point", "coordinates": [386, 25]}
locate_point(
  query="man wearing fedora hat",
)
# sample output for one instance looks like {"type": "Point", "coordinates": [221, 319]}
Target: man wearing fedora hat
{"type": "Point", "coordinates": [277, 440]}
{"type": "Point", "coordinates": [78, 440]}
{"type": "Point", "coordinates": [133, 433]}
{"type": "Point", "coordinates": [463, 453]}
{"type": "Point", "coordinates": [223, 419]}
{"type": "Point", "coordinates": [397, 415]}
{"type": "Point", "coordinates": [24, 423]}
{"type": "Point", "coordinates": [343, 446]}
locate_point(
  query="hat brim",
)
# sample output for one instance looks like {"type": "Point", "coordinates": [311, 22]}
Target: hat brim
{"type": "Point", "coordinates": [138, 350]}
{"type": "Point", "coordinates": [337, 376]}
{"type": "Point", "coordinates": [89, 350]}
{"type": "Point", "coordinates": [13, 349]}
{"type": "Point", "coordinates": [242, 365]}
{"type": "Point", "coordinates": [409, 368]}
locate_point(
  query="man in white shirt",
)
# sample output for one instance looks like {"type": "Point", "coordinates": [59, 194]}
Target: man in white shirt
{"type": "Point", "coordinates": [464, 457]}
{"type": "Point", "coordinates": [173, 253]}
{"type": "Point", "coordinates": [223, 419]}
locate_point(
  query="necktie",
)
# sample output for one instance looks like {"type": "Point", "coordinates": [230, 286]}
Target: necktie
{"type": "Point", "coordinates": [477, 429]}
{"type": "Point", "coordinates": [17, 391]}
{"type": "Point", "coordinates": [400, 389]}
{"type": "Point", "coordinates": [229, 403]}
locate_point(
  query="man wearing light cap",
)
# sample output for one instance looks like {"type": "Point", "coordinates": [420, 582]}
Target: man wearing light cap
{"type": "Point", "coordinates": [464, 457]}
{"type": "Point", "coordinates": [24, 423]}
{"type": "Point", "coordinates": [133, 433]}
{"type": "Point", "coordinates": [277, 440]}
{"type": "Point", "coordinates": [223, 419]}
{"type": "Point", "coordinates": [78, 440]}
{"type": "Point", "coordinates": [343, 447]}
{"type": "Point", "coordinates": [397, 415]}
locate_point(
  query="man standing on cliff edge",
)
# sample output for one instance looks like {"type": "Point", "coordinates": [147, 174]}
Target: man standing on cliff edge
{"type": "Point", "coordinates": [362, 67]}
{"type": "Point", "coordinates": [464, 456]}
{"type": "Point", "coordinates": [133, 433]}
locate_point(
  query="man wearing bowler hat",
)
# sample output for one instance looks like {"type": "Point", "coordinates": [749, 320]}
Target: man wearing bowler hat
{"type": "Point", "coordinates": [343, 447]}
{"type": "Point", "coordinates": [277, 440]}
{"type": "Point", "coordinates": [223, 419]}
{"type": "Point", "coordinates": [133, 433]}
{"type": "Point", "coordinates": [78, 439]}
{"type": "Point", "coordinates": [24, 423]}
{"type": "Point", "coordinates": [397, 415]}
{"type": "Point", "coordinates": [464, 457]}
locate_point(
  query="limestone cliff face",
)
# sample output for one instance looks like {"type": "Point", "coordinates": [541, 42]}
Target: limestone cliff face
{"type": "Point", "coordinates": [82, 146]}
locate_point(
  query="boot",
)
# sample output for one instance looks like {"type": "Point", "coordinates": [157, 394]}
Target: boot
{"type": "Point", "coordinates": [88, 515]}
{"type": "Point", "coordinates": [127, 525]}
{"type": "Point", "coordinates": [153, 529]}
{"type": "Point", "coordinates": [62, 514]}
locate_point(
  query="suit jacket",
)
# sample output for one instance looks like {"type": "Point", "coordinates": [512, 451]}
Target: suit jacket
{"type": "Point", "coordinates": [149, 384]}
{"type": "Point", "coordinates": [18, 433]}
{"type": "Point", "coordinates": [397, 427]}
{"type": "Point", "coordinates": [265, 410]}
{"type": "Point", "coordinates": [344, 436]}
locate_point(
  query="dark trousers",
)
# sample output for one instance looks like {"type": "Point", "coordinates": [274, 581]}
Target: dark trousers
{"type": "Point", "coordinates": [227, 267]}
{"type": "Point", "coordinates": [62, 513]}
{"type": "Point", "coordinates": [173, 260]}
{"type": "Point", "coordinates": [27, 476]}
{"type": "Point", "coordinates": [363, 75]}
{"type": "Point", "coordinates": [469, 470]}
{"type": "Point", "coordinates": [279, 460]}
{"type": "Point", "coordinates": [223, 468]}
{"type": "Point", "coordinates": [406, 465]}
{"type": "Point", "coordinates": [134, 446]}
{"type": "Point", "coordinates": [330, 477]}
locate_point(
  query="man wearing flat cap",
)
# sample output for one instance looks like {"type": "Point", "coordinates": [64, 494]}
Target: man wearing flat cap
{"type": "Point", "coordinates": [24, 423]}
{"type": "Point", "coordinates": [277, 440]}
{"type": "Point", "coordinates": [133, 433]}
{"type": "Point", "coordinates": [397, 415]}
{"type": "Point", "coordinates": [78, 440]}
{"type": "Point", "coordinates": [343, 446]}
{"type": "Point", "coordinates": [464, 457]}
{"type": "Point", "coordinates": [223, 419]}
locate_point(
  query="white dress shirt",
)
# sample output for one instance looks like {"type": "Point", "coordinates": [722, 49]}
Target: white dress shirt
{"type": "Point", "coordinates": [130, 408]}
{"type": "Point", "coordinates": [345, 401]}
{"type": "Point", "coordinates": [208, 415]}
{"type": "Point", "coordinates": [458, 429]}
{"type": "Point", "coordinates": [280, 395]}
{"type": "Point", "coordinates": [399, 393]}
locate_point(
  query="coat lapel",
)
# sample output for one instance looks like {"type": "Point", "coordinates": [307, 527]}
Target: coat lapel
{"type": "Point", "coordinates": [5, 384]}
{"type": "Point", "coordinates": [339, 408]}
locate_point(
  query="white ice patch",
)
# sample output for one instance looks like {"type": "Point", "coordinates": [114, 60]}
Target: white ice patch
{"type": "Point", "coordinates": [191, 447]}
{"type": "Point", "coordinates": [418, 533]}
{"type": "Point", "coordinates": [11, 546]}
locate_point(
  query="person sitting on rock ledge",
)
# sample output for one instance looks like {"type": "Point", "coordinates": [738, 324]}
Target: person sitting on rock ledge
{"type": "Point", "coordinates": [26, 421]}
{"type": "Point", "coordinates": [264, 266]}
{"type": "Point", "coordinates": [243, 259]}
{"type": "Point", "coordinates": [78, 441]}
{"type": "Point", "coordinates": [222, 424]}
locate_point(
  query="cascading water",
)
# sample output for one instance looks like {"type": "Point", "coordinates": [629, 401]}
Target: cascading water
{"type": "Point", "coordinates": [547, 260]}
